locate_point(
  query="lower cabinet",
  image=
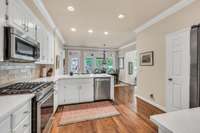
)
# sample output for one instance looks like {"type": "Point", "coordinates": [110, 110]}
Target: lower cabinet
{"type": "Point", "coordinates": [5, 125]}
{"type": "Point", "coordinates": [75, 91]}
{"type": "Point", "coordinates": [19, 121]}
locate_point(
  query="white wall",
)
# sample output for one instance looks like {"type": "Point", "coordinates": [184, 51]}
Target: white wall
{"type": "Point", "coordinates": [129, 55]}
{"type": "Point", "coordinates": [59, 51]}
{"type": "Point", "coordinates": [151, 80]}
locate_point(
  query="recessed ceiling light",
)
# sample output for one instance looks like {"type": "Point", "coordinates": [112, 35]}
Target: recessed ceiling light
{"type": "Point", "coordinates": [121, 16]}
{"type": "Point", "coordinates": [90, 31]}
{"type": "Point", "coordinates": [70, 8]}
{"type": "Point", "coordinates": [105, 33]}
{"type": "Point", "coordinates": [73, 29]}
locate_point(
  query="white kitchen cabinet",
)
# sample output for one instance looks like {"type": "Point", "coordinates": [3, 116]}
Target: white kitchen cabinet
{"type": "Point", "coordinates": [46, 46]}
{"type": "Point", "coordinates": [55, 97]}
{"type": "Point", "coordinates": [87, 91]}
{"type": "Point", "coordinates": [2, 24]}
{"type": "Point", "coordinates": [75, 91]}
{"type": "Point", "coordinates": [68, 92]}
{"type": "Point", "coordinates": [18, 121]}
{"type": "Point", "coordinates": [21, 17]}
{"type": "Point", "coordinates": [5, 125]}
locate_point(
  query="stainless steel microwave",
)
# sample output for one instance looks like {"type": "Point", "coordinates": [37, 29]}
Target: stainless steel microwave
{"type": "Point", "coordinates": [19, 47]}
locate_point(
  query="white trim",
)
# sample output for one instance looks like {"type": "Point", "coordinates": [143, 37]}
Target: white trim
{"type": "Point", "coordinates": [134, 84]}
{"type": "Point", "coordinates": [152, 103]}
{"type": "Point", "coordinates": [39, 4]}
{"type": "Point", "coordinates": [89, 48]}
{"type": "Point", "coordinates": [128, 45]}
{"type": "Point", "coordinates": [172, 10]}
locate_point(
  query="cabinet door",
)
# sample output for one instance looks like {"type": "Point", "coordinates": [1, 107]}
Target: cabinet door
{"type": "Point", "coordinates": [31, 26]}
{"type": "Point", "coordinates": [41, 36]}
{"type": "Point", "coordinates": [56, 97]}
{"type": "Point", "coordinates": [51, 49]}
{"type": "Point", "coordinates": [2, 23]}
{"type": "Point", "coordinates": [68, 91]}
{"type": "Point", "coordinates": [71, 93]}
{"type": "Point", "coordinates": [87, 90]}
{"type": "Point", "coordinates": [17, 15]}
{"type": "Point", "coordinates": [5, 125]}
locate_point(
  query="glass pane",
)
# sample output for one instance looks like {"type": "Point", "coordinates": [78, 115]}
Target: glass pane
{"type": "Point", "coordinates": [99, 62]}
{"type": "Point", "coordinates": [75, 65]}
{"type": "Point", "coordinates": [89, 65]}
{"type": "Point", "coordinates": [109, 63]}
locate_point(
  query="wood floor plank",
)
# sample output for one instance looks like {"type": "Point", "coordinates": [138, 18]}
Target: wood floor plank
{"type": "Point", "coordinates": [127, 122]}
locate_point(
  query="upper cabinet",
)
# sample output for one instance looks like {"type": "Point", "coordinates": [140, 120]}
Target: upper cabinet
{"type": "Point", "coordinates": [22, 18]}
{"type": "Point", "coordinates": [46, 41]}
{"type": "Point", "coordinates": [2, 24]}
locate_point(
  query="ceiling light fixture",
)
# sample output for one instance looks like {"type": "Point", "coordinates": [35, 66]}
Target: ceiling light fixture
{"type": "Point", "coordinates": [73, 29]}
{"type": "Point", "coordinates": [105, 33]}
{"type": "Point", "coordinates": [70, 8]}
{"type": "Point", "coordinates": [90, 31]}
{"type": "Point", "coordinates": [121, 16]}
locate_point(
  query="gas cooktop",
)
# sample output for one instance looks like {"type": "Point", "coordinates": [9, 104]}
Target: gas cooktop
{"type": "Point", "coordinates": [23, 87]}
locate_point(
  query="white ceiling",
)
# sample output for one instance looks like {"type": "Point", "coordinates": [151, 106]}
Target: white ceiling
{"type": "Point", "coordinates": [102, 15]}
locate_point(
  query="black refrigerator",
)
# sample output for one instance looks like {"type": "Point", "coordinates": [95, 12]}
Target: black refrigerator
{"type": "Point", "coordinates": [195, 66]}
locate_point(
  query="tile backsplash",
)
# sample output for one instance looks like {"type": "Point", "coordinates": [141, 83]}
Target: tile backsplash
{"type": "Point", "coordinates": [13, 72]}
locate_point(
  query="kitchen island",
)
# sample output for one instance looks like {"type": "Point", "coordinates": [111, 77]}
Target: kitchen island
{"type": "Point", "coordinates": [183, 121]}
{"type": "Point", "coordinates": [75, 89]}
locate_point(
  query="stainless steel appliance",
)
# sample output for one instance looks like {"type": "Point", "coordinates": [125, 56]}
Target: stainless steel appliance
{"type": "Point", "coordinates": [42, 103]}
{"type": "Point", "coordinates": [102, 88]}
{"type": "Point", "coordinates": [19, 47]}
{"type": "Point", "coordinates": [45, 112]}
{"type": "Point", "coordinates": [195, 67]}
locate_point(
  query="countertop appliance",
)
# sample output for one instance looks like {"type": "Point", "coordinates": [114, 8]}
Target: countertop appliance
{"type": "Point", "coordinates": [195, 67]}
{"type": "Point", "coordinates": [19, 47]}
{"type": "Point", "coordinates": [42, 103]}
{"type": "Point", "coordinates": [102, 88]}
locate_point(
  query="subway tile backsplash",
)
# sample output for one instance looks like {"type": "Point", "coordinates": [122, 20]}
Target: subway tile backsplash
{"type": "Point", "coordinates": [13, 72]}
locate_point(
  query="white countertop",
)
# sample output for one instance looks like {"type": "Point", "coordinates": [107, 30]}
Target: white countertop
{"type": "Point", "coordinates": [184, 121]}
{"type": "Point", "coordinates": [9, 104]}
{"type": "Point", "coordinates": [75, 76]}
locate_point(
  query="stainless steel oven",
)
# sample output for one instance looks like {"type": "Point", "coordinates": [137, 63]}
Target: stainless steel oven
{"type": "Point", "coordinates": [45, 113]}
{"type": "Point", "coordinates": [18, 46]}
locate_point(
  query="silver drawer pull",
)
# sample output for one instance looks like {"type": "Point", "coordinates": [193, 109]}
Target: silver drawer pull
{"type": "Point", "coordinates": [26, 112]}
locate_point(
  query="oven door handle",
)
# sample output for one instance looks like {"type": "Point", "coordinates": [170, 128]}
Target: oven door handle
{"type": "Point", "coordinates": [42, 100]}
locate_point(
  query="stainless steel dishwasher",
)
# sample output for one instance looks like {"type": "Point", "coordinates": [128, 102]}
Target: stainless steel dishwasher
{"type": "Point", "coordinates": [102, 88]}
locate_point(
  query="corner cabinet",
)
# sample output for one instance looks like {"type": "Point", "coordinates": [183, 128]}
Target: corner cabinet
{"type": "Point", "coordinates": [75, 91]}
{"type": "Point", "coordinates": [2, 24]}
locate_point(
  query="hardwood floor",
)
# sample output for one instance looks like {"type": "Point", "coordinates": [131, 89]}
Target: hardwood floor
{"type": "Point", "coordinates": [127, 122]}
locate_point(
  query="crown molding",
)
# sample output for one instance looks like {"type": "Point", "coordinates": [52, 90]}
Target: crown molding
{"type": "Point", "coordinates": [128, 45]}
{"type": "Point", "coordinates": [89, 48]}
{"type": "Point", "coordinates": [39, 4]}
{"type": "Point", "coordinates": [172, 10]}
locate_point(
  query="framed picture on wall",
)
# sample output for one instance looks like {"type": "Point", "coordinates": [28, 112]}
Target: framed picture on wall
{"type": "Point", "coordinates": [57, 61]}
{"type": "Point", "coordinates": [130, 68]}
{"type": "Point", "coordinates": [147, 58]}
{"type": "Point", "coordinates": [121, 62]}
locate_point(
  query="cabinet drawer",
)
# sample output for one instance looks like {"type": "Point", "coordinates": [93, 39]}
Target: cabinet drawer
{"type": "Point", "coordinates": [5, 126]}
{"type": "Point", "coordinates": [75, 81]}
{"type": "Point", "coordinates": [20, 114]}
{"type": "Point", "coordinates": [24, 126]}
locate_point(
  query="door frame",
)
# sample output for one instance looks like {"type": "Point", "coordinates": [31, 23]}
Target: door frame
{"type": "Point", "coordinates": [187, 78]}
